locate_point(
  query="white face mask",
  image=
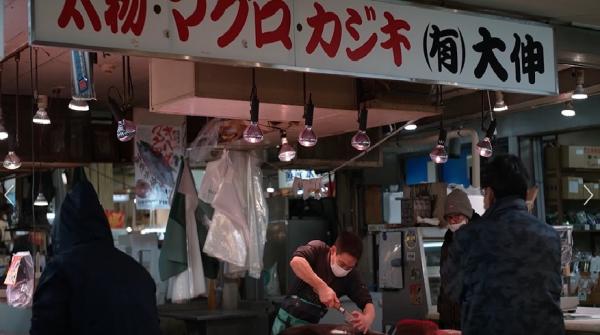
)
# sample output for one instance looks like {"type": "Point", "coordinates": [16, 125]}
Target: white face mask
{"type": "Point", "coordinates": [454, 227]}
{"type": "Point", "coordinates": [338, 271]}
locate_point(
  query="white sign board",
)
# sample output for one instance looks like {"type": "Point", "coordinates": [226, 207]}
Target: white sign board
{"type": "Point", "coordinates": [366, 38]}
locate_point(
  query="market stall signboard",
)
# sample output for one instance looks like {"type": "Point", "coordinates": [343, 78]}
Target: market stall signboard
{"type": "Point", "coordinates": [366, 38]}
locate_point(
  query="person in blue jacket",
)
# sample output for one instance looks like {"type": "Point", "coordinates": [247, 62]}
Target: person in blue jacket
{"type": "Point", "coordinates": [505, 271]}
{"type": "Point", "coordinates": [90, 287]}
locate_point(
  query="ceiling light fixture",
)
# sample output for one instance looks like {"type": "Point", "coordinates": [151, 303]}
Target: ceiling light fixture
{"type": "Point", "coordinates": [41, 116]}
{"type": "Point", "coordinates": [12, 161]}
{"type": "Point", "coordinates": [79, 105]}
{"type": "Point", "coordinates": [485, 146]}
{"type": "Point", "coordinates": [252, 133]}
{"type": "Point", "coordinates": [568, 110]}
{"type": "Point", "coordinates": [307, 137]}
{"type": "Point", "coordinates": [40, 201]}
{"type": "Point", "coordinates": [439, 155]}
{"type": "Point", "coordinates": [286, 153]}
{"type": "Point", "coordinates": [579, 92]}
{"type": "Point", "coordinates": [411, 127]}
{"type": "Point", "coordinates": [360, 140]}
{"type": "Point", "coordinates": [500, 105]}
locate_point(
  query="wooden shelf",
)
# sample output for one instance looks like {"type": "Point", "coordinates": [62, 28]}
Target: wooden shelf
{"type": "Point", "coordinates": [565, 171]}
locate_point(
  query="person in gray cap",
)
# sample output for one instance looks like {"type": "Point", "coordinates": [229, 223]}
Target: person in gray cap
{"type": "Point", "coordinates": [458, 212]}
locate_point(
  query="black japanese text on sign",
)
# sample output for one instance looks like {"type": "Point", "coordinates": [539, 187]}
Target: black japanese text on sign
{"type": "Point", "coordinates": [357, 37]}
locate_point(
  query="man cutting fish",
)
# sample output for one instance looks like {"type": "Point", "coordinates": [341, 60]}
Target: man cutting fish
{"type": "Point", "coordinates": [323, 274]}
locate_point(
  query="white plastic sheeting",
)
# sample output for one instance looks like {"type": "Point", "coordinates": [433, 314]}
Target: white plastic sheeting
{"type": "Point", "coordinates": [237, 232]}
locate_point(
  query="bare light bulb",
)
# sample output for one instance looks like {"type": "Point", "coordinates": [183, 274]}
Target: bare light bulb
{"type": "Point", "coordinates": [411, 127]}
{"type": "Point", "coordinates": [12, 161]}
{"type": "Point", "coordinates": [500, 105]}
{"type": "Point", "coordinates": [40, 201]}
{"type": "Point", "coordinates": [41, 115]}
{"type": "Point", "coordinates": [307, 137]}
{"type": "Point", "coordinates": [439, 154]}
{"type": "Point", "coordinates": [126, 130]}
{"type": "Point", "coordinates": [3, 133]}
{"type": "Point", "coordinates": [568, 110]}
{"type": "Point", "coordinates": [79, 105]}
{"type": "Point", "coordinates": [253, 134]}
{"type": "Point", "coordinates": [361, 141]}
{"type": "Point", "coordinates": [286, 152]}
{"type": "Point", "coordinates": [485, 148]}
{"type": "Point", "coordinates": [579, 93]}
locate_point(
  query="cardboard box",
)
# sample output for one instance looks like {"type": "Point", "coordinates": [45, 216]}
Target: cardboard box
{"type": "Point", "coordinates": [373, 202]}
{"type": "Point", "coordinates": [572, 188]}
{"type": "Point", "coordinates": [580, 157]}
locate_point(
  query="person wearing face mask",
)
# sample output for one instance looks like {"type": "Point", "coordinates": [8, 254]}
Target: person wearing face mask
{"type": "Point", "coordinates": [458, 212]}
{"type": "Point", "coordinates": [324, 274]}
{"type": "Point", "coordinates": [505, 270]}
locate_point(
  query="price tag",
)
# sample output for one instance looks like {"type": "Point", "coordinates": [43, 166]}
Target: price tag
{"type": "Point", "coordinates": [11, 276]}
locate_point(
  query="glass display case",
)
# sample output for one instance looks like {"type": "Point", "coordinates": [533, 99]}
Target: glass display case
{"type": "Point", "coordinates": [412, 279]}
{"type": "Point", "coordinates": [432, 241]}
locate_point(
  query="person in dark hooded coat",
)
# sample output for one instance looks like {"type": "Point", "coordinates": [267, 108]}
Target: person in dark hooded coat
{"type": "Point", "coordinates": [90, 287]}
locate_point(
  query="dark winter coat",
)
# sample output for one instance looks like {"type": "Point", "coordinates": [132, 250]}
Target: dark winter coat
{"type": "Point", "coordinates": [448, 309]}
{"type": "Point", "coordinates": [505, 271]}
{"type": "Point", "coordinates": [90, 287]}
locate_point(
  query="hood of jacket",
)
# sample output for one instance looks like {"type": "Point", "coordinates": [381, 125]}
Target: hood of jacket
{"type": "Point", "coordinates": [81, 219]}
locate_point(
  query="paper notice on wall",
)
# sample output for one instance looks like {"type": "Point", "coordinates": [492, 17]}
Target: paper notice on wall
{"type": "Point", "coordinates": [573, 186]}
{"type": "Point", "coordinates": [158, 152]}
{"type": "Point", "coordinates": [579, 152]}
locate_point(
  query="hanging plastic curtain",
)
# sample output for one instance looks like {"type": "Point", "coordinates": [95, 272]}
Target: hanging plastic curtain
{"type": "Point", "coordinates": [258, 217]}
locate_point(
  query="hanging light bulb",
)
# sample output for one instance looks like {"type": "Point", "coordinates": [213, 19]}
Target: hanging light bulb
{"type": "Point", "coordinates": [12, 161]}
{"type": "Point", "coordinates": [485, 146]}
{"type": "Point", "coordinates": [79, 105]}
{"type": "Point", "coordinates": [500, 105]}
{"type": "Point", "coordinates": [126, 130]}
{"type": "Point", "coordinates": [307, 137]}
{"type": "Point", "coordinates": [568, 110]}
{"type": "Point", "coordinates": [252, 133]}
{"type": "Point", "coordinates": [3, 132]}
{"type": "Point", "coordinates": [360, 140]}
{"type": "Point", "coordinates": [41, 116]}
{"type": "Point", "coordinates": [40, 201]}
{"type": "Point", "coordinates": [439, 154]}
{"type": "Point", "coordinates": [411, 127]}
{"type": "Point", "coordinates": [286, 153]}
{"type": "Point", "coordinates": [579, 92]}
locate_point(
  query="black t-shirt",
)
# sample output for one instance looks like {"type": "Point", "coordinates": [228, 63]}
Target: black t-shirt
{"type": "Point", "coordinates": [317, 255]}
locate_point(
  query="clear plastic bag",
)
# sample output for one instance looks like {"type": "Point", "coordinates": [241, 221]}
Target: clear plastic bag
{"type": "Point", "coordinates": [20, 281]}
{"type": "Point", "coordinates": [212, 179]}
{"type": "Point", "coordinates": [206, 140]}
{"type": "Point", "coordinates": [257, 217]}
{"type": "Point", "coordinates": [225, 241]}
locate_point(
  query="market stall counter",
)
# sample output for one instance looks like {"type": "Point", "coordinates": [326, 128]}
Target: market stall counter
{"type": "Point", "coordinates": [250, 318]}
{"type": "Point", "coordinates": [574, 325]}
